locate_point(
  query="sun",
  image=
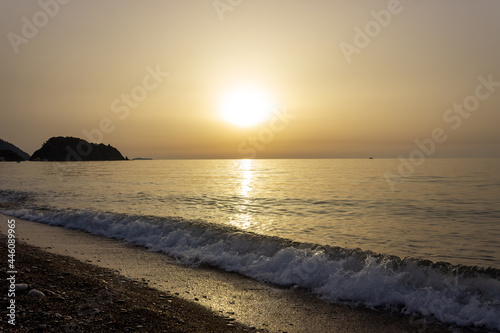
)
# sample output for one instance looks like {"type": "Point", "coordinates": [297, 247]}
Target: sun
{"type": "Point", "coordinates": [246, 106]}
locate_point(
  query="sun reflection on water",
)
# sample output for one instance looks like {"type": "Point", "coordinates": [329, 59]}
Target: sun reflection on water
{"type": "Point", "coordinates": [244, 218]}
{"type": "Point", "coordinates": [246, 166]}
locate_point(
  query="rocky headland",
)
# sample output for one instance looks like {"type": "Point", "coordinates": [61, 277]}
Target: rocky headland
{"type": "Point", "coordinates": [75, 149]}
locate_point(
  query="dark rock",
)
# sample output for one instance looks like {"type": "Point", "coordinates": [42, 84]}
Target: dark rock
{"type": "Point", "coordinates": [10, 156]}
{"type": "Point", "coordinates": [21, 287]}
{"type": "Point", "coordinates": [4, 145]}
{"type": "Point", "coordinates": [75, 149]}
{"type": "Point", "coordinates": [36, 293]}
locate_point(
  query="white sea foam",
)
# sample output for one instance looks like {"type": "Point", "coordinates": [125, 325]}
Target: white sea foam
{"type": "Point", "coordinates": [458, 295]}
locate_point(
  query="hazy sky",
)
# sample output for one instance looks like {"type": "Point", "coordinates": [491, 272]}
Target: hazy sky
{"type": "Point", "coordinates": [347, 78]}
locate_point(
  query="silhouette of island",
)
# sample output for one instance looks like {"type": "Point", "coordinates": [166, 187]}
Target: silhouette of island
{"type": "Point", "coordinates": [10, 156]}
{"type": "Point", "coordinates": [75, 149]}
{"type": "Point", "coordinates": [9, 152]}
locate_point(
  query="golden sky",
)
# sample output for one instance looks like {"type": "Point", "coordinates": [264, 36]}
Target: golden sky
{"type": "Point", "coordinates": [341, 78]}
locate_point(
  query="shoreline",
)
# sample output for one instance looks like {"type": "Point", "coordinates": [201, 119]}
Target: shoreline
{"type": "Point", "coordinates": [64, 294]}
{"type": "Point", "coordinates": [236, 298]}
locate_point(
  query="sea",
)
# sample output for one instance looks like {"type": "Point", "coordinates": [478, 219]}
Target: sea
{"type": "Point", "coordinates": [421, 240]}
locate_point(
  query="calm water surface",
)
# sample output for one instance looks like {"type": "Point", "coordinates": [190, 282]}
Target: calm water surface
{"type": "Point", "coordinates": [447, 210]}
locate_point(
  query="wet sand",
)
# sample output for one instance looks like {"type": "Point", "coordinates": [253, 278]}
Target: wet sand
{"type": "Point", "coordinates": [61, 294]}
{"type": "Point", "coordinates": [230, 297]}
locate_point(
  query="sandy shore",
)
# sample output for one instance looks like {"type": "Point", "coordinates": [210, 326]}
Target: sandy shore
{"type": "Point", "coordinates": [95, 284]}
{"type": "Point", "coordinates": [66, 295]}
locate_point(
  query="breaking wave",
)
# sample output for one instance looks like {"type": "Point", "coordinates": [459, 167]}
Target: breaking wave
{"type": "Point", "coordinates": [453, 294]}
